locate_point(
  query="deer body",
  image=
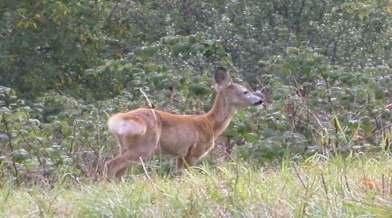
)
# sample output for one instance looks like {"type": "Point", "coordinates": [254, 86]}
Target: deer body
{"type": "Point", "coordinates": [143, 132]}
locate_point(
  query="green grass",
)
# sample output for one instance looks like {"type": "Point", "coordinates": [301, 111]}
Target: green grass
{"type": "Point", "coordinates": [339, 187]}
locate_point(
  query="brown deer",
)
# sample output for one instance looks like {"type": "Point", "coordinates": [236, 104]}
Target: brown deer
{"type": "Point", "coordinates": [143, 131]}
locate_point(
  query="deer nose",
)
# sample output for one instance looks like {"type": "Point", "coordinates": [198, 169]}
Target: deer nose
{"type": "Point", "coordinates": [259, 102]}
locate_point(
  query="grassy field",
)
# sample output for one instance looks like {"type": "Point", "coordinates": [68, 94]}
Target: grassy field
{"type": "Point", "coordinates": [357, 186]}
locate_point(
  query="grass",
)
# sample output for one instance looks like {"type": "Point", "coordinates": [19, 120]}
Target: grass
{"type": "Point", "coordinates": [357, 186]}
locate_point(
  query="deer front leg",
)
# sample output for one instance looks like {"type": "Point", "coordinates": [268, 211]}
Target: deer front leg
{"type": "Point", "coordinates": [183, 162]}
{"type": "Point", "coordinates": [194, 154]}
{"type": "Point", "coordinates": [179, 165]}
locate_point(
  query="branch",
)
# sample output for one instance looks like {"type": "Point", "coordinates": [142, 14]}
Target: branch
{"type": "Point", "coordinates": [147, 99]}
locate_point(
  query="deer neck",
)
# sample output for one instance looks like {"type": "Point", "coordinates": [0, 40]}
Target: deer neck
{"type": "Point", "coordinates": [220, 114]}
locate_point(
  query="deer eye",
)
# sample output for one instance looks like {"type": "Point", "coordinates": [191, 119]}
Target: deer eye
{"type": "Point", "coordinates": [246, 92]}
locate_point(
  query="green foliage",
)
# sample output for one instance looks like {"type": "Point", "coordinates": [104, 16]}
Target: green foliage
{"type": "Point", "coordinates": [49, 41]}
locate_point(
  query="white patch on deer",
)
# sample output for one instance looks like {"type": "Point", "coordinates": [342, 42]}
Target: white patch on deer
{"type": "Point", "coordinates": [126, 127]}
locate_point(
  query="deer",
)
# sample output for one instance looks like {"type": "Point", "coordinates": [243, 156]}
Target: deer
{"type": "Point", "coordinates": [146, 131]}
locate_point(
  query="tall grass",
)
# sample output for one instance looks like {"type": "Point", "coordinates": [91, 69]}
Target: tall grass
{"type": "Point", "coordinates": [355, 186]}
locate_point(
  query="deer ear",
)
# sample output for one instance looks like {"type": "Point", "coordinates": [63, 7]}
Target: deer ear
{"type": "Point", "coordinates": [222, 77]}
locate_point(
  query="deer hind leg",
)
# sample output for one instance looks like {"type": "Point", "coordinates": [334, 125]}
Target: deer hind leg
{"type": "Point", "coordinates": [121, 149]}
{"type": "Point", "coordinates": [138, 138]}
{"type": "Point", "coordinates": [140, 148]}
{"type": "Point", "coordinates": [117, 166]}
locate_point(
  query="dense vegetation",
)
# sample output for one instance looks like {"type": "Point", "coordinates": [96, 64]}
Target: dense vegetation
{"type": "Point", "coordinates": [65, 66]}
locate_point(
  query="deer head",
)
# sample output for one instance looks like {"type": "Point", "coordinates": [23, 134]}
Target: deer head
{"type": "Point", "coordinates": [235, 95]}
